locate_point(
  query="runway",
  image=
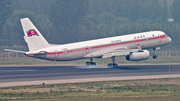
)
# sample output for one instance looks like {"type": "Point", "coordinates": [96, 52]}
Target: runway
{"type": "Point", "coordinates": [40, 73]}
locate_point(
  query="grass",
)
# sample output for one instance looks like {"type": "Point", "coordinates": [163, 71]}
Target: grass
{"type": "Point", "coordinates": [133, 90]}
{"type": "Point", "coordinates": [119, 60]}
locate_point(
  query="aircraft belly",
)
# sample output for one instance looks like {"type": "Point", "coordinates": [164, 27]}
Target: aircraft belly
{"type": "Point", "coordinates": [68, 56]}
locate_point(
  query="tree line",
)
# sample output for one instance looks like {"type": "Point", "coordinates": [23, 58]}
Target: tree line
{"type": "Point", "coordinates": [66, 21]}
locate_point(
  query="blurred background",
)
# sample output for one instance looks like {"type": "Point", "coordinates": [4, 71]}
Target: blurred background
{"type": "Point", "coordinates": [67, 21]}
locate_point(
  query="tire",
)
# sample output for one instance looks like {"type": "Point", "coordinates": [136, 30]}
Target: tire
{"type": "Point", "coordinates": [90, 64]}
{"type": "Point", "coordinates": [93, 64]}
{"type": "Point", "coordinates": [154, 56]}
{"type": "Point", "coordinates": [87, 63]}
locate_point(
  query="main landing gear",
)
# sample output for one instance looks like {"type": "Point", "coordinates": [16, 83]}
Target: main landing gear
{"type": "Point", "coordinates": [155, 53]}
{"type": "Point", "coordinates": [113, 64]}
{"type": "Point", "coordinates": [91, 63]}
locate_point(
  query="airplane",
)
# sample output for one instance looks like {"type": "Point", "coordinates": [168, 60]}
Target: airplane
{"type": "Point", "coordinates": [133, 46]}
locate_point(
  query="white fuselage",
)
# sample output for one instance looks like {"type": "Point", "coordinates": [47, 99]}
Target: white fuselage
{"type": "Point", "coordinates": [96, 48]}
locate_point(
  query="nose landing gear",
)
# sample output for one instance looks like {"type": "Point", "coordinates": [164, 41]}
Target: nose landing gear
{"type": "Point", "coordinates": [154, 56]}
{"type": "Point", "coordinates": [155, 53]}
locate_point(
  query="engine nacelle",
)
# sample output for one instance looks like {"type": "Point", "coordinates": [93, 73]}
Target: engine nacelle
{"type": "Point", "coordinates": [138, 56]}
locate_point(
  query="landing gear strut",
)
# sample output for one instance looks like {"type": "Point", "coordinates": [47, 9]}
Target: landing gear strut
{"type": "Point", "coordinates": [155, 53]}
{"type": "Point", "coordinates": [91, 63]}
{"type": "Point", "coordinates": [113, 64]}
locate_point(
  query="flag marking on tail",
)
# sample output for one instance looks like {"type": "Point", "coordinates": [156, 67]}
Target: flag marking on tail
{"type": "Point", "coordinates": [32, 32]}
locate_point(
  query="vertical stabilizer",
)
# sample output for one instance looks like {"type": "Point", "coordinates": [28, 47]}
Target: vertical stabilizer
{"type": "Point", "coordinates": [32, 36]}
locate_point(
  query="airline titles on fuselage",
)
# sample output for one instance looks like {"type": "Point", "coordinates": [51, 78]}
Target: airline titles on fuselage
{"type": "Point", "coordinates": [115, 41]}
{"type": "Point", "coordinates": [137, 37]}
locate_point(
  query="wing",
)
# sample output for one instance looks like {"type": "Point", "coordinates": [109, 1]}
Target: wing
{"type": "Point", "coordinates": [119, 52]}
{"type": "Point", "coordinates": [112, 52]}
{"type": "Point", "coordinates": [122, 51]}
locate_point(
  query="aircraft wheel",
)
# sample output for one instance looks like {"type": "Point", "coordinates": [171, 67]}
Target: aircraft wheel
{"type": "Point", "coordinates": [115, 65]}
{"type": "Point", "coordinates": [93, 64]}
{"type": "Point", "coordinates": [90, 64]}
{"type": "Point", "coordinates": [154, 56]}
{"type": "Point", "coordinates": [112, 65]}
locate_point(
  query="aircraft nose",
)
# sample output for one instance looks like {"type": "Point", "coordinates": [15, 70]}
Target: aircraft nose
{"type": "Point", "coordinates": [169, 39]}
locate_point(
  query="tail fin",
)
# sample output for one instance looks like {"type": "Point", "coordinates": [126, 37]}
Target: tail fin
{"type": "Point", "coordinates": [32, 36]}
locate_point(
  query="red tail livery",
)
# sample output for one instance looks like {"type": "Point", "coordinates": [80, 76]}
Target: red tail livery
{"type": "Point", "coordinates": [32, 32]}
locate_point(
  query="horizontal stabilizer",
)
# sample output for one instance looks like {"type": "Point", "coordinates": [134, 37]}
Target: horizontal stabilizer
{"type": "Point", "coordinates": [14, 51]}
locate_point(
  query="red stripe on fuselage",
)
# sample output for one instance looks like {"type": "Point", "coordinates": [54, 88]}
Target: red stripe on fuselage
{"type": "Point", "coordinates": [107, 45]}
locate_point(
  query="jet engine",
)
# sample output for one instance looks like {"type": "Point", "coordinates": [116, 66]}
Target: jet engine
{"type": "Point", "coordinates": [137, 56]}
